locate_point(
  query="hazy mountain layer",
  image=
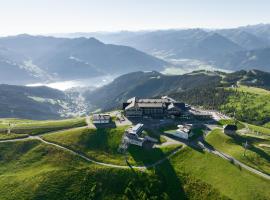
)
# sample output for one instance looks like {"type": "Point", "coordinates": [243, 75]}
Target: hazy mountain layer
{"type": "Point", "coordinates": [50, 59]}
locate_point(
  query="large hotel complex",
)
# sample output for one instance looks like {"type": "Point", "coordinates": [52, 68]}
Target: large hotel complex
{"type": "Point", "coordinates": [165, 106]}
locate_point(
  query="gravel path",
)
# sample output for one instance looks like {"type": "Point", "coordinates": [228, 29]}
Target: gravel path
{"type": "Point", "coordinates": [91, 160]}
{"type": "Point", "coordinates": [233, 160]}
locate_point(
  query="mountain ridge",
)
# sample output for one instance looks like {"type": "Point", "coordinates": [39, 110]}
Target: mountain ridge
{"type": "Point", "coordinates": [65, 59]}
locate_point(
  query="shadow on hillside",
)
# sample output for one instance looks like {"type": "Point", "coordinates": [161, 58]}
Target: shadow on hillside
{"type": "Point", "coordinates": [211, 148]}
{"type": "Point", "coordinates": [98, 140]}
{"type": "Point", "coordinates": [192, 143]}
{"type": "Point", "coordinates": [239, 140]}
{"type": "Point", "coordinates": [154, 134]}
{"type": "Point", "coordinates": [163, 170]}
{"type": "Point", "coordinates": [109, 125]}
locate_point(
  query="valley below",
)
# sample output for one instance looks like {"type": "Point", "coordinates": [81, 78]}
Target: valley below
{"type": "Point", "coordinates": [136, 115]}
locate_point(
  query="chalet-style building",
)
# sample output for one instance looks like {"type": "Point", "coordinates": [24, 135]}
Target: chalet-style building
{"type": "Point", "coordinates": [162, 107]}
{"type": "Point", "coordinates": [183, 132]}
{"type": "Point", "coordinates": [134, 136]}
{"type": "Point", "coordinates": [101, 119]}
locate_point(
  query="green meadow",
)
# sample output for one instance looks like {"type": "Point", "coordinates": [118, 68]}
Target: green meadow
{"type": "Point", "coordinates": [255, 156]}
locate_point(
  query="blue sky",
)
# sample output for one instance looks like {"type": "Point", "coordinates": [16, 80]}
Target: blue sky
{"type": "Point", "coordinates": [62, 16]}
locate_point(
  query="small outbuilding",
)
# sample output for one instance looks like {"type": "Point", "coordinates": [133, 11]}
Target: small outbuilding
{"type": "Point", "coordinates": [133, 136]}
{"type": "Point", "coordinates": [230, 129]}
{"type": "Point", "coordinates": [184, 132]}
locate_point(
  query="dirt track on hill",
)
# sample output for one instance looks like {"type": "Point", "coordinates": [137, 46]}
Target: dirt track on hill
{"type": "Point", "coordinates": [91, 160]}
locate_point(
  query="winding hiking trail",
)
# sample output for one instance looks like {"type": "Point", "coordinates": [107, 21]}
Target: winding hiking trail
{"type": "Point", "coordinates": [200, 143]}
{"type": "Point", "coordinates": [89, 159]}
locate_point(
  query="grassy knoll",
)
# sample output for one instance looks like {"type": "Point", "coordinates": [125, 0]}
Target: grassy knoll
{"type": "Point", "coordinates": [251, 105]}
{"type": "Point", "coordinates": [99, 144]}
{"type": "Point", "coordinates": [253, 90]}
{"type": "Point", "coordinates": [102, 145]}
{"type": "Point", "coordinates": [231, 121]}
{"type": "Point", "coordinates": [3, 126]}
{"type": "Point", "coordinates": [230, 180]}
{"type": "Point", "coordinates": [52, 123]}
{"type": "Point", "coordinates": [32, 170]}
{"type": "Point", "coordinates": [267, 125]}
{"type": "Point", "coordinates": [4, 122]}
{"type": "Point", "coordinates": [259, 129]}
{"type": "Point", "coordinates": [255, 156]}
{"type": "Point", "coordinates": [38, 127]}
{"type": "Point", "coordinates": [6, 136]}
{"type": "Point", "coordinates": [150, 156]}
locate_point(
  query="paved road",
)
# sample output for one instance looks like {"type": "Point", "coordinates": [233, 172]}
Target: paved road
{"type": "Point", "coordinates": [231, 159]}
{"type": "Point", "coordinates": [200, 143]}
{"type": "Point", "coordinates": [204, 146]}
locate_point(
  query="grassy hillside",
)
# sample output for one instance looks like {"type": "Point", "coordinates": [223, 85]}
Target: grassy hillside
{"type": "Point", "coordinates": [34, 170]}
{"type": "Point", "coordinates": [231, 122]}
{"type": "Point", "coordinates": [37, 127]}
{"type": "Point", "coordinates": [258, 129]}
{"type": "Point", "coordinates": [231, 181]}
{"type": "Point", "coordinates": [6, 136]}
{"type": "Point", "coordinates": [250, 104]}
{"type": "Point", "coordinates": [102, 145]}
{"type": "Point", "coordinates": [31, 170]}
{"type": "Point", "coordinates": [255, 156]}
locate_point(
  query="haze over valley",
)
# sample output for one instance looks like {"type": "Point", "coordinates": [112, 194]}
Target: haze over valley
{"type": "Point", "coordinates": [134, 100]}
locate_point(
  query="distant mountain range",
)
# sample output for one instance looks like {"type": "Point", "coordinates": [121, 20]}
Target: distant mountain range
{"type": "Point", "coordinates": [47, 103]}
{"type": "Point", "coordinates": [26, 58]}
{"type": "Point", "coordinates": [249, 44]}
{"type": "Point", "coordinates": [154, 84]}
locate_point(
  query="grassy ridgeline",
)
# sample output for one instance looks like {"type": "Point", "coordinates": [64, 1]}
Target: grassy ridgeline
{"type": "Point", "coordinates": [32, 127]}
{"type": "Point", "coordinates": [102, 145]}
{"type": "Point", "coordinates": [31, 170]}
